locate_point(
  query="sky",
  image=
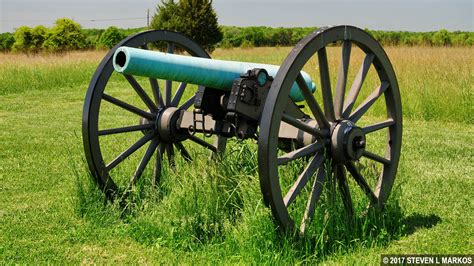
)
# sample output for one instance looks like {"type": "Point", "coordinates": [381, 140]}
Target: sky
{"type": "Point", "coordinates": [414, 15]}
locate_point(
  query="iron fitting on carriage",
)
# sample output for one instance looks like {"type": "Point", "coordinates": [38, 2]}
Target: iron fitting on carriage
{"type": "Point", "coordinates": [165, 125]}
{"type": "Point", "coordinates": [347, 141]}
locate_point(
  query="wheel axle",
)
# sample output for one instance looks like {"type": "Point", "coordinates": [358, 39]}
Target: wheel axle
{"type": "Point", "coordinates": [347, 142]}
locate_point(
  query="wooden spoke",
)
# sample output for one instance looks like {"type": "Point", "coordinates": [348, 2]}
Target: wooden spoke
{"type": "Point", "coordinates": [357, 85]}
{"type": "Point", "coordinates": [154, 86]}
{"type": "Point", "coordinates": [203, 143]}
{"type": "Point", "coordinates": [139, 90]}
{"type": "Point", "coordinates": [169, 83]}
{"type": "Point", "coordinates": [344, 188]}
{"type": "Point", "coordinates": [156, 92]}
{"type": "Point", "coordinates": [183, 151]}
{"type": "Point", "coordinates": [361, 182]}
{"type": "Point", "coordinates": [300, 125]}
{"type": "Point", "coordinates": [159, 157]}
{"type": "Point", "coordinates": [342, 78]}
{"type": "Point", "coordinates": [367, 103]}
{"type": "Point", "coordinates": [326, 84]}
{"type": "Point", "coordinates": [170, 153]}
{"type": "Point", "coordinates": [375, 157]}
{"type": "Point", "coordinates": [378, 126]}
{"type": "Point", "coordinates": [129, 151]}
{"type": "Point", "coordinates": [188, 103]}
{"type": "Point", "coordinates": [168, 89]}
{"type": "Point", "coordinates": [311, 102]}
{"type": "Point", "coordinates": [125, 129]}
{"type": "Point", "coordinates": [127, 107]}
{"type": "Point", "coordinates": [141, 167]}
{"type": "Point", "coordinates": [301, 152]}
{"type": "Point", "coordinates": [303, 178]}
{"type": "Point", "coordinates": [316, 192]}
{"type": "Point", "coordinates": [178, 94]}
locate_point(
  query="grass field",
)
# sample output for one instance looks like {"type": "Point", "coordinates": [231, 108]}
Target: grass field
{"type": "Point", "coordinates": [50, 211]}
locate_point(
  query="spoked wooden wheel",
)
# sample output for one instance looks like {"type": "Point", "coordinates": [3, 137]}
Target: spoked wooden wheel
{"type": "Point", "coordinates": [119, 119]}
{"type": "Point", "coordinates": [357, 137]}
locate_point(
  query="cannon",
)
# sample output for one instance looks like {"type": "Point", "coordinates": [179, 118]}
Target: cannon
{"type": "Point", "coordinates": [309, 126]}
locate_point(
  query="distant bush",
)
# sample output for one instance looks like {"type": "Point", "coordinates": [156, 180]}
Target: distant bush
{"type": "Point", "coordinates": [30, 39]}
{"type": "Point", "coordinates": [469, 41]}
{"type": "Point", "coordinates": [111, 37]}
{"type": "Point", "coordinates": [39, 35]}
{"type": "Point", "coordinates": [23, 39]}
{"type": "Point", "coordinates": [263, 36]}
{"type": "Point", "coordinates": [66, 35]}
{"type": "Point", "coordinates": [92, 37]}
{"type": "Point", "coordinates": [442, 38]}
{"type": "Point", "coordinates": [6, 41]}
{"type": "Point", "coordinates": [247, 44]}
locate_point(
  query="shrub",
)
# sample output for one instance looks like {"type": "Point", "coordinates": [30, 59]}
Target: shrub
{"type": "Point", "coordinates": [23, 39]}
{"type": "Point", "coordinates": [30, 39]}
{"type": "Point", "coordinates": [6, 41]}
{"type": "Point", "coordinates": [110, 37]}
{"type": "Point", "coordinates": [442, 38]}
{"type": "Point", "coordinates": [65, 35]}
{"type": "Point", "coordinates": [39, 35]}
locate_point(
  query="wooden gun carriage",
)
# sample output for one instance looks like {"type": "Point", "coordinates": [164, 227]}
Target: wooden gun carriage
{"type": "Point", "coordinates": [275, 105]}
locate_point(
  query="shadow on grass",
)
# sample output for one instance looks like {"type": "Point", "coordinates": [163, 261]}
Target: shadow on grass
{"type": "Point", "coordinates": [375, 229]}
{"type": "Point", "coordinates": [416, 221]}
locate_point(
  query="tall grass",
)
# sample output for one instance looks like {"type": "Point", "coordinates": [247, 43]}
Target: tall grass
{"type": "Point", "coordinates": [222, 208]}
{"type": "Point", "coordinates": [435, 83]}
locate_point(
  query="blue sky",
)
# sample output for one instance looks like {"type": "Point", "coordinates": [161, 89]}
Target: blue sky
{"type": "Point", "coordinates": [415, 15]}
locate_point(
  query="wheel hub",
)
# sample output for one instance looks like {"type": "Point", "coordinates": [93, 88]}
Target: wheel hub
{"type": "Point", "coordinates": [347, 141]}
{"type": "Point", "coordinates": [165, 124]}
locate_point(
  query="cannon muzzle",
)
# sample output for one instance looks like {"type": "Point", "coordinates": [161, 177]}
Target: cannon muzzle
{"type": "Point", "coordinates": [218, 74]}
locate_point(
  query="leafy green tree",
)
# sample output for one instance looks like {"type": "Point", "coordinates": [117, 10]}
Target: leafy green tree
{"type": "Point", "coordinates": [282, 37]}
{"type": "Point", "coordinates": [459, 38]}
{"type": "Point", "coordinates": [65, 35]}
{"type": "Point", "coordinates": [6, 41]}
{"type": "Point", "coordinates": [30, 39]}
{"type": "Point", "coordinates": [92, 37]}
{"type": "Point", "coordinates": [167, 16]}
{"type": "Point", "coordinates": [469, 41]}
{"type": "Point", "coordinates": [232, 35]}
{"type": "Point", "coordinates": [110, 37]}
{"type": "Point", "coordinates": [39, 35]}
{"type": "Point", "coordinates": [194, 18]}
{"type": "Point", "coordinates": [23, 39]}
{"type": "Point", "coordinates": [442, 38]}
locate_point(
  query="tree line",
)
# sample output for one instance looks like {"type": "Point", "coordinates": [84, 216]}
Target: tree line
{"type": "Point", "coordinates": [267, 36]}
{"type": "Point", "coordinates": [64, 35]}
{"type": "Point", "coordinates": [67, 35]}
